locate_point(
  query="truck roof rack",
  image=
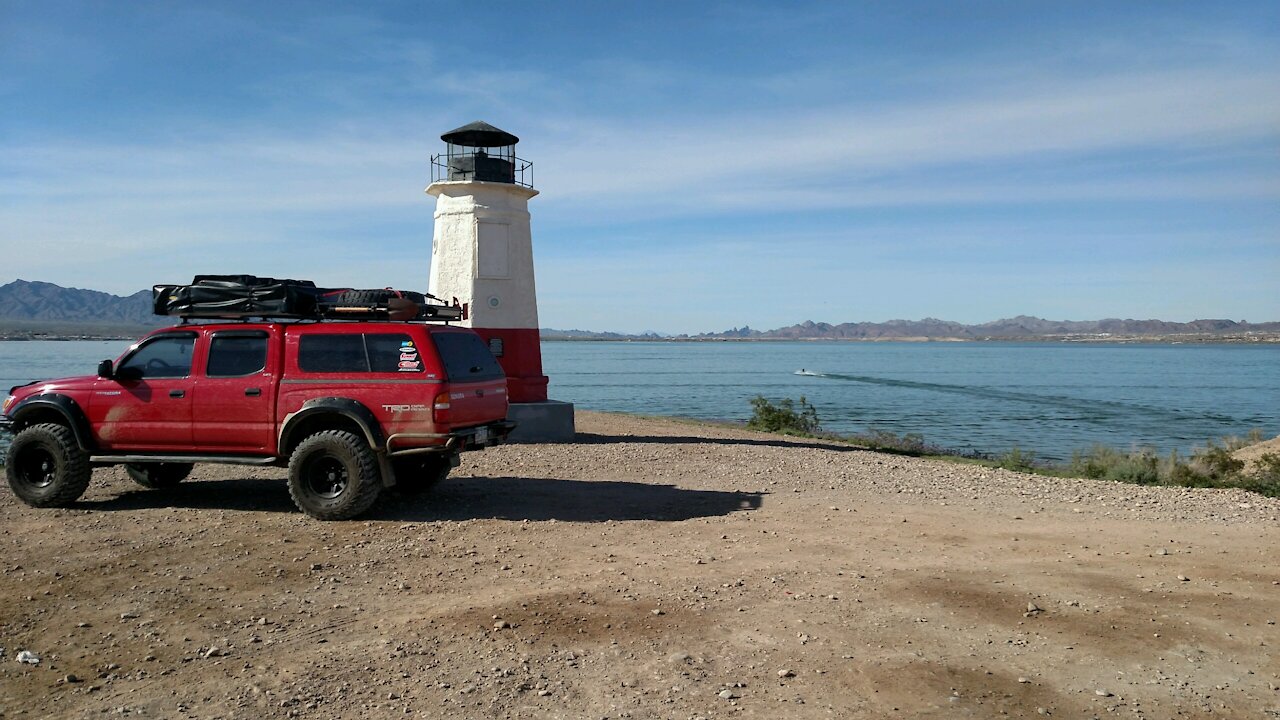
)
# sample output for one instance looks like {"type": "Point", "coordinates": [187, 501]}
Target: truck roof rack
{"type": "Point", "coordinates": [248, 296]}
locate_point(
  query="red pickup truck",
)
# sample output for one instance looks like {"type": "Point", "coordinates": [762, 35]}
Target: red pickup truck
{"type": "Point", "coordinates": [350, 407]}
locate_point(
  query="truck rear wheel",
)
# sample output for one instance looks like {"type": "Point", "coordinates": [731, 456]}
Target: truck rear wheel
{"type": "Point", "coordinates": [158, 475]}
{"type": "Point", "coordinates": [418, 474]}
{"type": "Point", "coordinates": [333, 475]}
{"type": "Point", "coordinates": [46, 466]}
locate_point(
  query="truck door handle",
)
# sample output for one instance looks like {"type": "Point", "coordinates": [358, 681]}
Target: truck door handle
{"type": "Point", "coordinates": [177, 393]}
{"type": "Point", "coordinates": [253, 392]}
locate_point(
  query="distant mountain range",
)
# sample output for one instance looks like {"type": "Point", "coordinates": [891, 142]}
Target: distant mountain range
{"type": "Point", "coordinates": [1021, 326]}
{"type": "Point", "coordinates": [41, 301]}
{"type": "Point", "coordinates": [37, 308]}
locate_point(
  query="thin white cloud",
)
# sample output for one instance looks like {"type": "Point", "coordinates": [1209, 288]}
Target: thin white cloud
{"type": "Point", "coordinates": [1122, 113]}
{"type": "Point", "coordinates": [706, 164]}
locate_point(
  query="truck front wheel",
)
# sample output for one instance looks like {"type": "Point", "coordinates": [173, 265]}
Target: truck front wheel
{"type": "Point", "coordinates": [333, 475]}
{"type": "Point", "coordinates": [46, 467]}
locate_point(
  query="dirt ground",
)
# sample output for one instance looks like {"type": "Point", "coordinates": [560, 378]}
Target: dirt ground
{"type": "Point", "coordinates": [653, 569]}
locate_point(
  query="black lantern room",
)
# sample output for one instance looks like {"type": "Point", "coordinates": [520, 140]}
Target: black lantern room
{"type": "Point", "coordinates": [481, 152]}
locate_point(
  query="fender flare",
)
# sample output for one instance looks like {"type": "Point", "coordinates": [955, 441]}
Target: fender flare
{"type": "Point", "coordinates": [66, 407]}
{"type": "Point", "coordinates": [346, 407]}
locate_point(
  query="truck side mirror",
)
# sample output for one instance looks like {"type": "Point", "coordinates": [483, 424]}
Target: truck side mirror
{"type": "Point", "coordinates": [105, 370]}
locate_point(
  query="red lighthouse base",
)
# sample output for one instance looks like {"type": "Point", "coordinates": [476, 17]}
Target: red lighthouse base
{"type": "Point", "coordinates": [538, 420]}
{"type": "Point", "coordinates": [519, 352]}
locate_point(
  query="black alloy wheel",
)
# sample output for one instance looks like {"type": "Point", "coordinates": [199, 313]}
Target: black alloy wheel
{"type": "Point", "coordinates": [325, 476]}
{"type": "Point", "coordinates": [334, 475]}
{"type": "Point", "coordinates": [46, 467]}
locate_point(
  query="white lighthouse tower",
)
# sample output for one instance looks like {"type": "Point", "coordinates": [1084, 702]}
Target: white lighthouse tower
{"type": "Point", "coordinates": [482, 255]}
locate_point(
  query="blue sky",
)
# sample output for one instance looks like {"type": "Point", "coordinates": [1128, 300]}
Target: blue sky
{"type": "Point", "coordinates": [701, 165]}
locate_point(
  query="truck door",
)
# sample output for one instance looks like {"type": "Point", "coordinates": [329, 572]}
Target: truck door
{"type": "Point", "coordinates": [147, 404]}
{"type": "Point", "coordinates": [233, 402]}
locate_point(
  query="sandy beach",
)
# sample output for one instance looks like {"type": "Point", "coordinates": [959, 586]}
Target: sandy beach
{"type": "Point", "coordinates": [652, 569]}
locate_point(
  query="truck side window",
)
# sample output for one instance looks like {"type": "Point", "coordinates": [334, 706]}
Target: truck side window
{"type": "Point", "coordinates": [392, 352]}
{"type": "Point", "coordinates": [332, 353]}
{"type": "Point", "coordinates": [237, 354]}
{"type": "Point", "coordinates": [351, 353]}
{"type": "Point", "coordinates": [164, 356]}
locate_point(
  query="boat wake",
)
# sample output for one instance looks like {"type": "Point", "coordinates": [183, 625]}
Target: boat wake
{"type": "Point", "coordinates": [1089, 410]}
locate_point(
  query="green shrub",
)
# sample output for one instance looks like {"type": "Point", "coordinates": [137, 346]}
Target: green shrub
{"type": "Point", "coordinates": [1267, 466]}
{"type": "Point", "coordinates": [785, 417]}
{"type": "Point", "coordinates": [1095, 463]}
{"type": "Point", "coordinates": [1265, 477]}
{"type": "Point", "coordinates": [1136, 468]}
{"type": "Point", "coordinates": [877, 438]}
{"type": "Point", "coordinates": [1210, 467]}
{"type": "Point", "coordinates": [1216, 462]}
{"type": "Point", "coordinates": [1186, 475]}
{"type": "Point", "coordinates": [1017, 459]}
{"type": "Point", "coordinates": [1105, 463]}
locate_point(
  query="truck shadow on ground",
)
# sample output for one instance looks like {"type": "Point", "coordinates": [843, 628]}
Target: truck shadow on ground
{"type": "Point", "coordinates": [514, 498]}
{"type": "Point", "coordinates": [463, 498]}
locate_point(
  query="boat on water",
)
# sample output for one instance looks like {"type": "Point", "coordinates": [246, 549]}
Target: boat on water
{"type": "Point", "coordinates": [802, 371]}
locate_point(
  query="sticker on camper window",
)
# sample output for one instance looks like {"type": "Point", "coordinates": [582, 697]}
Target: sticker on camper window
{"type": "Point", "coordinates": [393, 352]}
{"type": "Point", "coordinates": [409, 361]}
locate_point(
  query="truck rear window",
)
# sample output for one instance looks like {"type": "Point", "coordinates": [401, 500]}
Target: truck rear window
{"type": "Point", "coordinates": [358, 353]}
{"type": "Point", "coordinates": [466, 358]}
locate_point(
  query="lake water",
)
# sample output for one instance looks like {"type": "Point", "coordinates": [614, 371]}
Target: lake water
{"type": "Point", "coordinates": [1050, 398]}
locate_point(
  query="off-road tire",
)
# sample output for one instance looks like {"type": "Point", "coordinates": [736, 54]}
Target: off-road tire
{"type": "Point", "coordinates": [418, 474]}
{"type": "Point", "coordinates": [158, 475]}
{"type": "Point", "coordinates": [46, 466]}
{"type": "Point", "coordinates": [333, 475]}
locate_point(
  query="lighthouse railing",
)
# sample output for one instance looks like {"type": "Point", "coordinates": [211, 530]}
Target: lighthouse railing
{"type": "Point", "coordinates": [466, 166]}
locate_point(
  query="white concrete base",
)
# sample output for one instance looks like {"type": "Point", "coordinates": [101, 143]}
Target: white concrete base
{"type": "Point", "coordinates": [541, 422]}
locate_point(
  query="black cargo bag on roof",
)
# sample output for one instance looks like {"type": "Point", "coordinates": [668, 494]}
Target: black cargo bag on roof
{"type": "Point", "coordinates": [215, 296]}
{"type": "Point", "coordinates": [246, 280]}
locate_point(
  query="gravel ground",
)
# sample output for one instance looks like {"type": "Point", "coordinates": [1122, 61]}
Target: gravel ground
{"type": "Point", "coordinates": [652, 569]}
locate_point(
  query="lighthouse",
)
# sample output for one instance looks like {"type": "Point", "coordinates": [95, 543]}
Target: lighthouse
{"type": "Point", "coordinates": [482, 256]}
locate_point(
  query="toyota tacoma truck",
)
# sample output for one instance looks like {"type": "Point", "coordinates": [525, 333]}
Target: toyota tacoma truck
{"type": "Point", "coordinates": [351, 401]}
